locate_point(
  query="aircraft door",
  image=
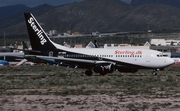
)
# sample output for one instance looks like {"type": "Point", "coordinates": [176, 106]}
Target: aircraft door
{"type": "Point", "coordinates": [164, 60]}
{"type": "Point", "coordinates": [148, 57]}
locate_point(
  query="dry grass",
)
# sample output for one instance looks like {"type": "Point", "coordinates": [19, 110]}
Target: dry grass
{"type": "Point", "coordinates": [58, 88]}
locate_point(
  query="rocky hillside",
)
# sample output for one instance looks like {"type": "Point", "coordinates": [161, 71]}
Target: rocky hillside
{"type": "Point", "coordinates": [99, 15]}
{"type": "Point", "coordinates": [11, 10]}
{"type": "Point", "coordinates": [175, 3]}
{"type": "Point", "coordinates": [88, 16]}
{"type": "Point", "coordinates": [149, 17]}
{"type": "Point", "coordinates": [17, 18]}
{"type": "Point", "coordinates": [111, 16]}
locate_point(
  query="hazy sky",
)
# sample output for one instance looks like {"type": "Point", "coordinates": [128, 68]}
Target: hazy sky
{"type": "Point", "coordinates": [33, 3]}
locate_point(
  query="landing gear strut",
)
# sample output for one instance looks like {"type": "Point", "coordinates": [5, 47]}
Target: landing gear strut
{"type": "Point", "coordinates": [155, 72]}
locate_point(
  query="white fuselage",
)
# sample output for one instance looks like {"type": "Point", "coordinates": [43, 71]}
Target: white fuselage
{"type": "Point", "coordinates": [141, 57]}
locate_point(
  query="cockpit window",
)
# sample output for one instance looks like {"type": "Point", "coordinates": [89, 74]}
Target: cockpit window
{"type": "Point", "coordinates": [162, 55]}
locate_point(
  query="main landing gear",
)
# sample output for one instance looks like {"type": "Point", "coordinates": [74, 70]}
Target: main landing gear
{"type": "Point", "coordinates": [89, 73]}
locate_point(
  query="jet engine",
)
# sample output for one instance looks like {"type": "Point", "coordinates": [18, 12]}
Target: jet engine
{"type": "Point", "coordinates": [104, 68]}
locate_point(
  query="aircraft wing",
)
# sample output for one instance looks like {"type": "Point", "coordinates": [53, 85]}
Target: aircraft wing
{"type": "Point", "coordinates": [68, 61]}
{"type": "Point", "coordinates": [35, 59]}
{"type": "Point", "coordinates": [88, 63]}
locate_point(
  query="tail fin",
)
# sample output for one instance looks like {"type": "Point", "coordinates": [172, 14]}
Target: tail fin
{"type": "Point", "coordinates": [29, 52]}
{"type": "Point", "coordinates": [25, 48]}
{"type": "Point", "coordinates": [38, 38]}
{"type": "Point", "coordinates": [96, 44]}
{"type": "Point", "coordinates": [24, 45]}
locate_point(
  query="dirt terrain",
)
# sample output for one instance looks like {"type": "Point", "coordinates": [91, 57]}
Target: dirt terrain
{"type": "Point", "coordinates": [94, 102]}
{"type": "Point", "coordinates": [52, 88]}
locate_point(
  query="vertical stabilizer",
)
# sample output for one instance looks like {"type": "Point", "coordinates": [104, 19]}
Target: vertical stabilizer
{"type": "Point", "coordinates": [38, 38]}
{"type": "Point", "coordinates": [25, 48]}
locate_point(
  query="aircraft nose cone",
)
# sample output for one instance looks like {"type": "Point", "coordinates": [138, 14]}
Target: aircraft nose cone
{"type": "Point", "coordinates": [171, 61]}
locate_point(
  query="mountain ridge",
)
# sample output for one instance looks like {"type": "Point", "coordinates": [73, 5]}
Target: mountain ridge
{"type": "Point", "coordinates": [100, 15]}
{"type": "Point", "coordinates": [12, 9]}
{"type": "Point", "coordinates": [174, 3]}
{"type": "Point", "coordinates": [14, 19]}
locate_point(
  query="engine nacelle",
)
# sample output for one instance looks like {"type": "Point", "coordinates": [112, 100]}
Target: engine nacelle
{"type": "Point", "coordinates": [104, 68]}
{"type": "Point", "coordinates": [126, 69]}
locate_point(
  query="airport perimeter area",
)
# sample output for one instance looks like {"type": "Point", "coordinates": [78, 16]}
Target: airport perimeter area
{"type": "Point", "coordinates": [55, 88]}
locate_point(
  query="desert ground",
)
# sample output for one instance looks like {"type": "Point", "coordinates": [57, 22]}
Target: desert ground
{"type": "Point", "coordinates": [55, 88]}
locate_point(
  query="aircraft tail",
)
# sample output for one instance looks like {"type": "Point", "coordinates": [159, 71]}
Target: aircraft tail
{"type": "Point", "coordinates": [25, 48]}
{"type": "Point", "coordinates": [38, 38]}
{"type": "Point", "coordinates": [96, 44]}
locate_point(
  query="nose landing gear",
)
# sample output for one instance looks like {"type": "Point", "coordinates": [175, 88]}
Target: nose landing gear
{"type": "Point", "coordinates": [155, 72]}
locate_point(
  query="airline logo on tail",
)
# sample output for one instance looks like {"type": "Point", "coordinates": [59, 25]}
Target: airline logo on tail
{"type": "Point", "coordinates": [39, 32]}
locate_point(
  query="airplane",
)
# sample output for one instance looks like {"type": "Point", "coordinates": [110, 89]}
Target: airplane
{"type": "Point", "coordinates": [99, 60]}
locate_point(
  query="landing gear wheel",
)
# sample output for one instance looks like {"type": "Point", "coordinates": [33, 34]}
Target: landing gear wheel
{"type": "Point", "coordinates": [154, 72]}
{"type": "Point", "coordinates": [88, 72]}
